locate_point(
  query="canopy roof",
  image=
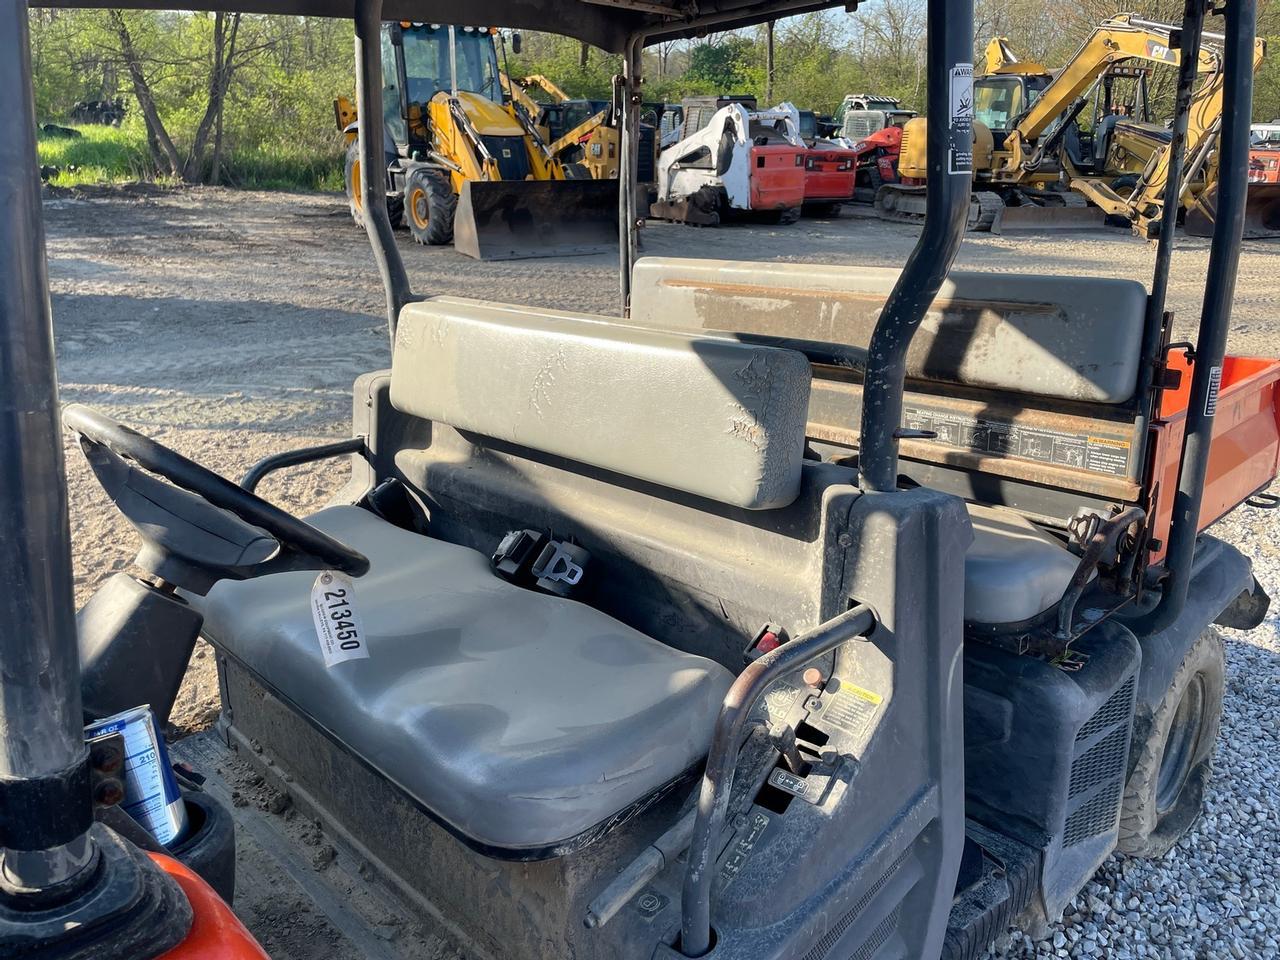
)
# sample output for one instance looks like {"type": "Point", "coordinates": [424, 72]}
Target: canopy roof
{"type": "Point", "coordinates": [604, 23]}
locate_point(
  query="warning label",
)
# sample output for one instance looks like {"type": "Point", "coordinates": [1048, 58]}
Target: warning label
{"type": "Point", "coordinates": [961, 159]}
{"type": "Point", "coordinates": [1215, 385]}
{"type": "Point", "coordinates": [852, 709]}
{"type": "Point", "coordinates": [1108, 455]}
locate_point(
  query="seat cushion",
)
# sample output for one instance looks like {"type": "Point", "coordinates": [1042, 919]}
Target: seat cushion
{"type": "Point", "coordinates": [1013, 570]}
{"type": "Point", "coordinates": [519, 719]}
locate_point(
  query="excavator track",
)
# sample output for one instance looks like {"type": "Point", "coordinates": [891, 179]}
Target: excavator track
{"type": "Point", "coordinates": [905, 204]}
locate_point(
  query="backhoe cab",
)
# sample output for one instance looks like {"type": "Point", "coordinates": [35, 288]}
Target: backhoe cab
{"type": "Point", "coordinates": [465, 164]}
{"type": "Point", "coordinates": [796, 611]}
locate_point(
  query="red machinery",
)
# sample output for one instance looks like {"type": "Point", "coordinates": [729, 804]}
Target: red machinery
{"type": "Point", "coordinates": [876, 162]}
{"type": "Point", "coordinates": [829, 172]}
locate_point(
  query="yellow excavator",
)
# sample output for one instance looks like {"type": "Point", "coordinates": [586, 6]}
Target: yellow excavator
{"type": "Point", "coordinates": [584, 131]}
{"type": "Point", "coordinates": [1045, 169]}
{"type": "Point", "coordinates": [465, 162]}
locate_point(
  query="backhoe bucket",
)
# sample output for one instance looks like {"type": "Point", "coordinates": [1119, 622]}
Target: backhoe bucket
{"type": "Point", "coordinates": [1261, 212]}
{"type": "Point", "coordinates": [522, 219]}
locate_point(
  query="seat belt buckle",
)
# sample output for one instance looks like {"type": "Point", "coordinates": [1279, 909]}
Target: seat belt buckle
{"type": "Point", "coordinates": [559, 567]}
{"type": "Point", "coordinates": [515, 556]}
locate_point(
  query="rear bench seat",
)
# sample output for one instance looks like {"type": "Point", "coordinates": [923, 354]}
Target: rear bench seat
{"type": "Point", "coordinates": [527, 723]}
{"type": "Point", "coordinates": [996, 336]}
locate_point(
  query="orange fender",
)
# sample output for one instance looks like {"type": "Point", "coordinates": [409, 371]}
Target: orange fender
{"type": "Point", "coordinates": [216, 933]}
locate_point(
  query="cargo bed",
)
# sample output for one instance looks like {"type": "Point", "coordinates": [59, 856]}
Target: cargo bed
{"type": "Point", "coordinates": [1245, 453]}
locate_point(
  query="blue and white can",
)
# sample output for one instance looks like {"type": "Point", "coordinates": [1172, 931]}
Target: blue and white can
{"type": "Point", "coordinates": [151, 794]}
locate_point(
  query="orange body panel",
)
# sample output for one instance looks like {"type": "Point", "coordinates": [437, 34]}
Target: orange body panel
{"type": "Point", "coordinates": [777, 177]}
{"type": "Point", "coordinates": [216, 933]}
{"type": "Point", "coordinates": [1245, 452]}
{"type": "Point", "coordinates": [829, 173]}
{"type": "Point", "coordinates": [1264, 166]}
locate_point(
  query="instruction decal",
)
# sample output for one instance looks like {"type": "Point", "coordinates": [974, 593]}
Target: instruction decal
{"type": "Point", "coordinates": [852, 709]}
{"type": "Point", "coordinates": [743, 844]}
{"type": "Point", "coordinates": [1215, 385]}
{"type": "Point", "coordinates": [961, 152]}
{"type": "Point", "coordinates": [339, 627]}
{"type": "Point", "coordinates": [1062, 448]}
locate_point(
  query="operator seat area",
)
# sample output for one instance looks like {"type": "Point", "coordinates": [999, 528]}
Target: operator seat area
{"type": "Point", "coordinates": [528, 723]}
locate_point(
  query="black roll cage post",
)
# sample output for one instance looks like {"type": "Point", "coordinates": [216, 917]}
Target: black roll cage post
{"type": "Point", "coordinates": [373, 164]}
{"type": "Point", "coordinates": [1219, 291]}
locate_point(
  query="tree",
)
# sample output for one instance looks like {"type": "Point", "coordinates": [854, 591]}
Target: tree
{"type": "Point", "coordinates": [720, 65]}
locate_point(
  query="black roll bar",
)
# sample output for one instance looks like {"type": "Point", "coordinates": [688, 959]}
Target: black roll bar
{"type": "Point", "coordinates": [950, 164]}
{"type": "Point", "coordinates": [1153, 335]}
{"type": "Point", "coordinates": [373, 161]}
{"type": "Point", "coordinates": [717, 779]}
{"type": "Point", "coordinates": [1215, 312]}
{"type": "Point", "coordinates": [629, 218]}
{"type": "Point", "coordinates": [45, 806]}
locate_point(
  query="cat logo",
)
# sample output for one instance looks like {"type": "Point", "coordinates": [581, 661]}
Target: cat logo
{"type": "Point", "coordinates": [506, 153]}
{"type": "Point", "coordinates": [1158, 51]}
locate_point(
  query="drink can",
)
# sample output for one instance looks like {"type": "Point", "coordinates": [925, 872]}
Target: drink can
{"type": "Point", "coordinates": [151, 794]}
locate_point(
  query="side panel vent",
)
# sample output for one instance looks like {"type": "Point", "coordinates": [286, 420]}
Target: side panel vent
{"type": "Point", "coordinates": [1101, 768]}
{"type": "Point", "coordinates": [823, 946]}
{"type": "Point", "coordinates": [882, 932]}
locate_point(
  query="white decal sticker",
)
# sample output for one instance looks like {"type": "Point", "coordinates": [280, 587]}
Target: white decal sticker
{"type": "Point", "coordinates": [1215, 384]}
{"type": "Point", "coordinates": [961, 153]}
{"type": "Point", "coordinates": [339, 627]}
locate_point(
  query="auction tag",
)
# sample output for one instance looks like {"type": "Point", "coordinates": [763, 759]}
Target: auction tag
{"type": "Point", "coordinates": [338, 625]}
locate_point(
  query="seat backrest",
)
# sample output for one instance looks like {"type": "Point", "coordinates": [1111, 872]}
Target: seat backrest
{"type": "Point", "coordinates": [708, 416]}
{"type": "Point", "coordinates": [1069, 338]}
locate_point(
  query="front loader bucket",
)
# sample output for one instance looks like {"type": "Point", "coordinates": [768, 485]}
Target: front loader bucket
{"type": "Point", "coordinates": [1261, 212]}
{"type": "Point", "coordinates": [521, 219]}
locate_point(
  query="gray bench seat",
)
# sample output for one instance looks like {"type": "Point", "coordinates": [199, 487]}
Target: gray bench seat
{"type": "Point", "coordinates": [519, 719]}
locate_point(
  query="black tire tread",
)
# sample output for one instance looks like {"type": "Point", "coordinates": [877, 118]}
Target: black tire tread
{"type": "Point", "coordinates": [1141, 833]}
{"type": "Point", "coordinates": [442, 204]}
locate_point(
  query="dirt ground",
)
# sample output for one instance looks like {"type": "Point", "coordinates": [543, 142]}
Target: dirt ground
{"type": "Point", "coordinates": [230, 325]}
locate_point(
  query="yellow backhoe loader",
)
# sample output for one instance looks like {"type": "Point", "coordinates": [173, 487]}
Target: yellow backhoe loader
{"type": "Point", "coordinates": [465, 162]}
{"type": "Point", "coordinates": [1046, 170]}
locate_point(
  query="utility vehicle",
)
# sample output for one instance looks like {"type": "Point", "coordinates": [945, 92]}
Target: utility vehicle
{"type": "Point", "coordinates": [799, 612]}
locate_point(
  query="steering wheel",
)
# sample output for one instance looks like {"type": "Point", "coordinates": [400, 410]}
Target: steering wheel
{"type": "Point", "coordinates": [200, 527]}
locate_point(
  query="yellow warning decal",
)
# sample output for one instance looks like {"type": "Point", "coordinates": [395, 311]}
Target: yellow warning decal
{"type": "Point", "coordinates": [1112, 442]}
{"type": "Point", "coordinates": [860, 692]}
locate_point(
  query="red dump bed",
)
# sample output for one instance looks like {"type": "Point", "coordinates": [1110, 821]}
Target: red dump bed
{"type": "Point", "coordinates": [777, 177]}
{"type": "Point", "coordinates": [1245, 453]}
{"type": "Point", "coordinates": [829, 173]}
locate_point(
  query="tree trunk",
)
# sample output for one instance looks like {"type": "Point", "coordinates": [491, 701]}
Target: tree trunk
{"type": "Point", "coordinates": [584, 53]}
{"type": "Point", "coordinates": [768, 62]}
{"type": "Point", "coordinates": [224, 48]}
{"type": "Point", "coordinates": [162, 143]}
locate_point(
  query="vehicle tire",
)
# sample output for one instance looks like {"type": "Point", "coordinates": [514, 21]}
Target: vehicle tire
{"type": "Point", "coordinates": [351, 179]}
{"type": "Point", "coordinates": [576, 171]}
{"type": "Point", "coordinates": [1172, 759]}
{"type": "Point", "coordinates": [429, 205]}
{"type": "Point", "coordinates": [790, 215]}
{"type": "Point", "coordinates": [209, 848]}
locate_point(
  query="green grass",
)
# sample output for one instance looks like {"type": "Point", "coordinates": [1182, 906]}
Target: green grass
{"type": "Point", "coordinates": [98, 155]}
{"type": "Point", "coordinates": [120, 155]}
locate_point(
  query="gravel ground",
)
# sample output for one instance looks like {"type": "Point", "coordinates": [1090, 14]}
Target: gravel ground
{"type": "Point", "coordinates": [230, 325]}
